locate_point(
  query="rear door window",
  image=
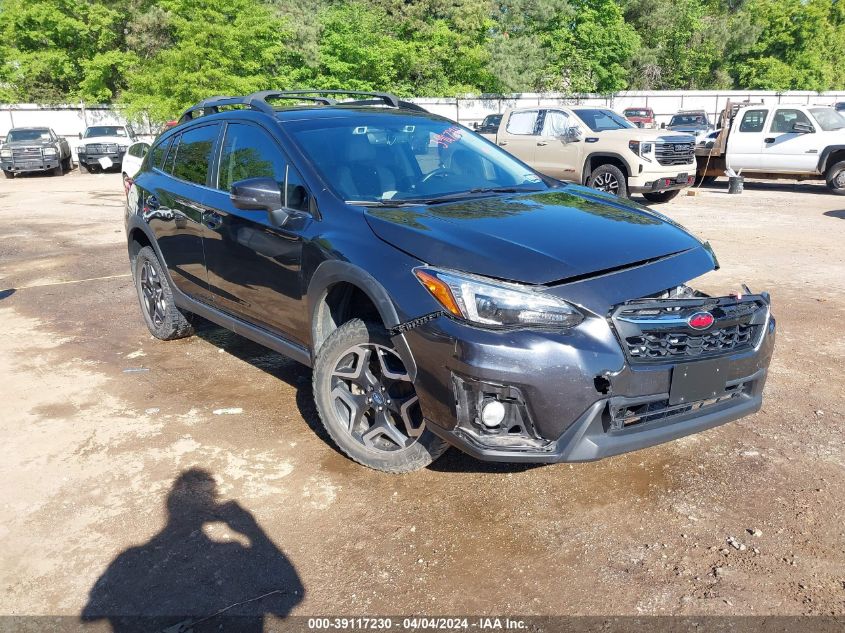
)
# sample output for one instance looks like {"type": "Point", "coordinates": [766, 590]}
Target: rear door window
{"type": "Point", "coordinates": [193, 158]}
{"type": "Point", "coordinates": [753, 121]}
{"type": "Point", "coordinates": [523, 122]}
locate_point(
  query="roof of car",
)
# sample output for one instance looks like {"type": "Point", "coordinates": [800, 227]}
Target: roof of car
{"type": "Point", "coordinates": [30, 127]}
{"type": "Point", "coordinates": [340, 111]}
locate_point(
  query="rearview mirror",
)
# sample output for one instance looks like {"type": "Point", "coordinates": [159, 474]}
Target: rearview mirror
{"type": "Point", "coordinates": [260, 194]}
{"type": "Point", "coordinates": [802, 128]}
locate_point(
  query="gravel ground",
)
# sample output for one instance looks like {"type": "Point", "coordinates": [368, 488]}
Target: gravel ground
{"type": "Point", "coordinates": [138, 475]}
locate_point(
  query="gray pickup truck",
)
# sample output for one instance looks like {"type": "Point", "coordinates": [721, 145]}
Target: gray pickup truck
{"type": "Point", "coordinates": [32, 149]}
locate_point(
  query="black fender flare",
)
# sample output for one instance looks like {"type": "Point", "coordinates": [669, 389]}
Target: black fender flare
{"type": "Point", "coordinates": [134, 224]}
{"type": "Point", "coordinates": [331, 272]}
{"type": "Point", "coordinates": [589, 157]}
{"type": "Point", "coordinates": [830, 149]}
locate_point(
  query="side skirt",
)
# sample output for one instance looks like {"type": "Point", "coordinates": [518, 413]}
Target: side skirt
{"type": "Point", "coordinates": [247, 330]}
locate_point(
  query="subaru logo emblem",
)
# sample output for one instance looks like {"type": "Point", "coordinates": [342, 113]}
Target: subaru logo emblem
{"type": "Point", "coordinates": [700, 320]}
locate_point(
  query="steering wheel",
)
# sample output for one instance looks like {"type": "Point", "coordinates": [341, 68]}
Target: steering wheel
{"type": "Point", "coordinates": [440, 172]}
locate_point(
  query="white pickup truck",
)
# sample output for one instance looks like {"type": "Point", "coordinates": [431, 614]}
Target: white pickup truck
{"type": "Point", "coordinates": [778, 141]}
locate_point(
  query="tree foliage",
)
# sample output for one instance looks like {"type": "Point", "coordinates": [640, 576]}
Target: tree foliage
{"type": "Point", "coordinates": [162, 55]}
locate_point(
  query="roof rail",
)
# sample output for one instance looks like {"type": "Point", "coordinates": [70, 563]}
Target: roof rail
{"type": "Point", "coordinates": [258, 101]}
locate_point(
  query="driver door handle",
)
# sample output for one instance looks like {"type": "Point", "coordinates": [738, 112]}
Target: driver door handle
{"type": "Point", "coordinates": [769, 140]}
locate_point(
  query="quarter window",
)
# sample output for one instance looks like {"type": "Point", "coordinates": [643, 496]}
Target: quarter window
{"type": "Point", "coordinates": [193, 155]}
{"type": "Point", "coordinates": [249, 153]}
{"type": "Point", "coordinates": [296, 195]}
{"type": "Point", "coordinates": [158, 153]}
{"type": "Point", "coordinates": [753, 121]}
{"type": "Point", "coordinates": [523, 122]}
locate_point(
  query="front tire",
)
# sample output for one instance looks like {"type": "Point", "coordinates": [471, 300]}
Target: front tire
{"type": "Point", "coordinates": [58, 170]}
{"type": "Point", "coordinates": [367, 401]}
{"type": "Point", "coordinates": [8, 174]}
{"type": "Point", "coordinates": [610, 179]}
{"type": "Point", "coordinates": [164, 320]}
{"type": "Point", "coordinates": [67, 164]}
{"type": "Point", "coordinates": [835, 177]}
{"type": "Point", "coordinates": [659, 197]}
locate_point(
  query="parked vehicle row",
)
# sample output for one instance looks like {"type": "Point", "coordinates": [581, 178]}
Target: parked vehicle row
{"type": "Point", "coordinates": [444, 291]}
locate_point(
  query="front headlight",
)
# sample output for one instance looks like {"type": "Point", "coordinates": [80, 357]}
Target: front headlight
{"type": "Point", "coordinates": [50, 151]}
{"type": "Point", "coordinates": [5, 153]}
{"type": "Point", "coordinates": [492, 303]}
{"type": "Point", "coordinates": [641, 149]}
{"type": "Point", "coordinates": [80, 149]}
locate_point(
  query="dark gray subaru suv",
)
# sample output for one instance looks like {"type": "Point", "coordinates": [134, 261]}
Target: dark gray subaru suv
{"type": "Point", "coordinates": [443, 291]}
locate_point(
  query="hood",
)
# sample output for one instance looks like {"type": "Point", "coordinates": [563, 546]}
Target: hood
{"type": "Point", "coordinates": [689, 128]}
{"type": "Point", "coordinates": [120, 140]}
{"type": "Point", "coordinates": [535, 238]}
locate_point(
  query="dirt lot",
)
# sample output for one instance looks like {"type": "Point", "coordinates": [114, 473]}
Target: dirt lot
{"type": "Point", "coordinates": [103, 430]}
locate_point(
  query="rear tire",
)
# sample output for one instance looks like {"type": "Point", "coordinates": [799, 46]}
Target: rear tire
{"type": "Point", "coordinates": [659, 197]}
{"type": "Point", "coordinates": [8, 174]}
{"type": "Point", "coordinates": [610, 179]}
{"type": "Point", "coordinates": [835, 177]}
{"type": "Point", "coordinates": [164, 320]}
{"type": "Point", "coordinates": [367, 401]}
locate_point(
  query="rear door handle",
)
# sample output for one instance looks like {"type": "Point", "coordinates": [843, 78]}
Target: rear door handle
{"type": "Point", "coordinates": [769, 140]}
{"type": "Point", "coordinates": [212, 220]}
{"type": "Point", "coordinates": [542, 142]}
{"type": "Point", "coordinates": [503, 143]}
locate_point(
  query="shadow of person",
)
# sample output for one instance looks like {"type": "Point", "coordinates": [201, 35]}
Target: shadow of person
{"type": "Point", "coordinates": [185, 580]}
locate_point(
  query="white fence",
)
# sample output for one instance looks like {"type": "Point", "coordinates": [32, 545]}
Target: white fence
{"type": "Point", "coordinates": [70, 121]}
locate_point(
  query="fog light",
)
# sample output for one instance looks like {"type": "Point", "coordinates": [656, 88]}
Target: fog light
{"type": "Point", "coordinates": [492, 413]}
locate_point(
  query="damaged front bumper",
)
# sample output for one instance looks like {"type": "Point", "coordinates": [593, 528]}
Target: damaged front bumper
{"type": "Point", "coordinates": [627, 379]}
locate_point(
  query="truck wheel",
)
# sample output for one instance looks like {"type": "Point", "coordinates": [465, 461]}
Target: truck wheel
{"type": "Point", "coordinates": [367, 401]}
{"type": "Point", "coordinates": [164, 320]}
{"type": "Point", "coordinates": [8, 174]}
{"type": "Point", "coordinates": [659, 197]}
{"type": "Point", "coordinates": [67, 164]}
{"type": "Point", "coordinates": [836, 178]}
{"type": "Point", "coordinates": [85, 169]}
{"type": "Point", "coordinates": [609, 178]}
{"type": "Point", "coordinates": [58, 170]}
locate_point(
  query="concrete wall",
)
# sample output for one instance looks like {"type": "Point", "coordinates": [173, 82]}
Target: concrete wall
{"type": "Point", "coordinates": [70, 121]}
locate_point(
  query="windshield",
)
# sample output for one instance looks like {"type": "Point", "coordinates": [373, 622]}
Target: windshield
{"type": "Point", "coordinates": [598, 120]}
{"type": "Point", "coordinates": [828, 119]}
{"type": "Point", "coordinates": [105, 130]}
{"type": "Point", "coordinates": [638, 113]}
{"type": "Point", "coordinates": [28, 135]}
{"type": "Point", "coordinates": [390, 158]}
{"type": "Point", "coordinates": [688, 119]}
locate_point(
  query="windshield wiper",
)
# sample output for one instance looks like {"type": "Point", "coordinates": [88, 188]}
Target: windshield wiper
{"type": "Point", "coordinates": [458, 195]}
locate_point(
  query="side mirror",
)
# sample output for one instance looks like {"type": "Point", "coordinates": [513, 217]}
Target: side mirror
{"type": "Point", "coordinates": [475, 125]}
{"type": "Point", "coordinates": [572, 134]}
{"type": "Point", "coordinates": [802, 128]}
{"type": "Point", "coordinates": [662, 126]}
{"type": "Point", "coordinates": [260, 194]}
{"type": "Point", "coordinates": [80, 136]}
